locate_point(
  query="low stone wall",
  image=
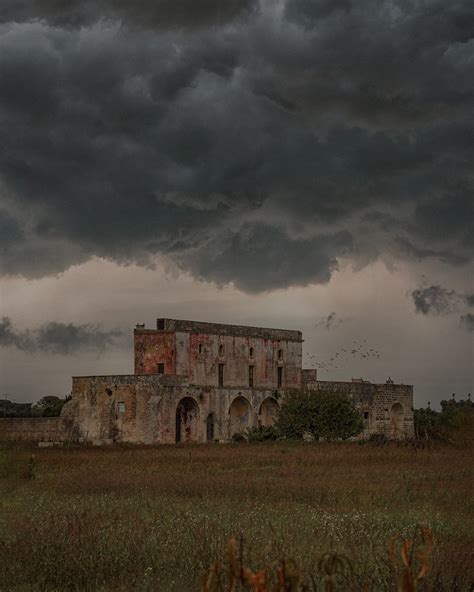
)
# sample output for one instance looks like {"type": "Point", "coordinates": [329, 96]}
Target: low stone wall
{"type": "Point", "coordinates": [33, 429]}
{"type": "Point", "coordinates": [387, 408]}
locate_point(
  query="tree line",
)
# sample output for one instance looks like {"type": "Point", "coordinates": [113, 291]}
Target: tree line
{"type": "Point", "coordinates": [47, 406]}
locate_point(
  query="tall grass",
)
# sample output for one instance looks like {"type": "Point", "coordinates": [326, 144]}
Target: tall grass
{"type": "Point", "coordinates": [136, 518]}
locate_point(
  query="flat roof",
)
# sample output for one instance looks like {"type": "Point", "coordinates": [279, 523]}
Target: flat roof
{"type": "Point", "coordinates": [227, 329]}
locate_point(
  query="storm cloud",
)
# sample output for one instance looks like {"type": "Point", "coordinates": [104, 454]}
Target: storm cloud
{"type": "Point", "coordinates": [435, 300]}
{"type": "Point", "coordinates": [253, 143]}
{"type": "Point", "coordinates": [467, 321]}
{"type": "Point", "coordinates": [59, 338]}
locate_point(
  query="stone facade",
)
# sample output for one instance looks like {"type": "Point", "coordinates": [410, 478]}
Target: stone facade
{"type": "Point", "coordinates": [212, 354]}
{"type": "Point", "coordinates": [202, 382]}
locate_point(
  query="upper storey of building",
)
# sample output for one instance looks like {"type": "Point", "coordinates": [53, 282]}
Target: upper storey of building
{"type": "Point", "coordinates": [214, 354]}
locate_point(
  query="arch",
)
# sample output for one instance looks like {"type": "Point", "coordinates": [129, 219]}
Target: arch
{"type": "Point", "coordinates": [396, 421]}
{"type": "Point", "coordinates": [239, 415]}
{"type": "Point", "coordinates": [187, 420]}
{"type": "Point", "coordinates": [210, 427]}
{"type": "Point", "coordinates": [268, 412]}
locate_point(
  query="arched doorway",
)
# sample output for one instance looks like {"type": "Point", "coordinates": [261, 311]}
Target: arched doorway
{"type": "Point", "coordinates": [396, 421]}
{"type": "Point", "coordinates": [210, 425]}
{"type": "Point", "coordinates": [268, 412]}
{"type": "Point", "coordinates": [239, 413]}
{"type": "Point", "coordinates": [187, 415]}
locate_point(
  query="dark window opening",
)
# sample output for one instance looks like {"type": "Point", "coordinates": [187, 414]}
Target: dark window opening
{"type": "Point", "coordinates": [160, 368]}
{"type": "Point", "coordinates": [178, 425]}
{"type": "Point", "coordinates": [280, 354]}
{"type": "Point", "coordinates": [251, 375]}
{"type": "Point", "coordinates": [366, 415]}
{"type": "Point", "coordinates": [280, 377]}
{"type": "Point", "coordinates": [200, 348]}
{"type": "Point", "coordinates": [210, 427]}
{"type": "Point", "coordinates": [221, 350]}
{"type": "Point", "coordinates": [160, 324]}
{"type": "Point", "coordinates": [221, 374]}
{"type": "Point", "coordinates": [251, 352]}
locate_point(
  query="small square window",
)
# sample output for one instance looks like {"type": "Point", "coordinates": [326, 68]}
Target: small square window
{"type": "Point", "coordinates": [366, 415]}
{"type": "Point", "coordinates": [121, 407]}
{"type": "Point", "coordinates": [160, 368]}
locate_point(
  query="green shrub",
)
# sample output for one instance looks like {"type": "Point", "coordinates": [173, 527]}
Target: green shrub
{"type": "Point", "coordinates": [319, 414]}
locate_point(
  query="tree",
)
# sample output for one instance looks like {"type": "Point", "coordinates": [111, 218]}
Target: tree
{"type": "Point", "coordinates": [427, 422]}
{"type": "Point", "coordinates": [49, 406]}
{"type": "Point", "coordinates": [320, 414]}
{"type": "Point", "coordinates": [454, 423]}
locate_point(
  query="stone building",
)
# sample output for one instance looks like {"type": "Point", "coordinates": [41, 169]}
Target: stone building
{"type": "Point", "coordinates": [198, 382]}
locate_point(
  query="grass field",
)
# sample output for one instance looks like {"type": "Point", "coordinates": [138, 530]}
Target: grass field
{"type": "Point", "coordinates": [157, 518]}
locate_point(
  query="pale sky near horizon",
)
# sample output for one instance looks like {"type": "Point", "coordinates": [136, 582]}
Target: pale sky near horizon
{"type": "Point", "coordinates": [293, 163]}
{"type": "Point", "coordinates": [372, 307]}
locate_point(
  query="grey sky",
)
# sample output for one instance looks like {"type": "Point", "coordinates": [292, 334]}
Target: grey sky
{"type": "Point", "coordinates": [259, 152]}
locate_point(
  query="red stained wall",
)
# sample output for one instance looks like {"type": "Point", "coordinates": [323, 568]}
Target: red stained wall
{"type": "Point", "coordinates": [152, 348]}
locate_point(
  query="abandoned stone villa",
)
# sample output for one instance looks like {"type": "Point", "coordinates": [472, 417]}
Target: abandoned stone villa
{"type": "Point", "coordinates": [198, 382]}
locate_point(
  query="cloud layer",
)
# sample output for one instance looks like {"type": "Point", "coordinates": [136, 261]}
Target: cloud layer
{"type": "Point", "coordinates": [437, 300]}
{"type": "Point", "coordinates": [58, 338]}
{"type": "Point", "coordinates": [245, 142]}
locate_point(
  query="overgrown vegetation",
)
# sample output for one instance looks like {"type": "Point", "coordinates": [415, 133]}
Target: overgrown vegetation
{"type": "Point", "coordinates": [453, 424]}
{"type": "Point", "coordinates": [158, 518]}
{"type": "Point", "coordinates": [318, 414]}
{"type": "Point", "coordinates": [48, 406]}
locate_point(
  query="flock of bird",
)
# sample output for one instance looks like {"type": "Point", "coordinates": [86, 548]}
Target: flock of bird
{"type": "Point", "coordinates": [358, 350]}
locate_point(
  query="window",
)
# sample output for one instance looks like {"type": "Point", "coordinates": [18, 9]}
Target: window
{"type": "Point", "coordinates": [160, 368]}
{"type": "Point", "coordinates": [366, 415]}
{"type": "Point", "coordinates": [160, 324]}
{"type": "Point", "coordinates": [221, 350]}
{"type": "Point", "coordinates": [200, 348]}
{"type": "Point", "coordinates": [280, 354]}
{"type": "Point", "coordinates": [251, 352]}
{"type": "Point", "coordinates": [279, 376]}
{"type": "Point", "coordinates": [250, 375]}
{"type": "Point", "coordinates": [221, 374]}
{"type": "Point", "coordinates": [121, 407]}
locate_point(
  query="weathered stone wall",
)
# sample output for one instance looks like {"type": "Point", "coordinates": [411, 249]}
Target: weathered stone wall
{"type": "Point", "coordinates": [379, 405]}
{"type": "Point", "coordinates": [165, 409]}
{"type": "Point", "coordinates": [196, 350]}
{"type": "Point", "coordinates": [309, 379]}
{"type": "Point", "coordinates": [144, 409]}
{"type": "Point", "coordinates": [152, 347]}
{"type": "Point", "coordinates": [183, 326]}
{"type": "Point", "coordinates": [33, 429]}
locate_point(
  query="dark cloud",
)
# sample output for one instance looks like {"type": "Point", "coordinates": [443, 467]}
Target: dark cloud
{"type": "Point", "coordinates": [438, 300]}
{"type": "Point", "coordinates": [58, 338]}
{"type": "Point", "coordinates": [467, 321]}
{"type": "Point", "coordinates": [434, 300]}
{"type": "Point", "coordinates": [331, 321]}
{"type": "Point", "coordinates": [242, 144]}
{"type": "Point", "coordinates": [469, 299]}
{"type": "Point", "coordinates": [159, 14]}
